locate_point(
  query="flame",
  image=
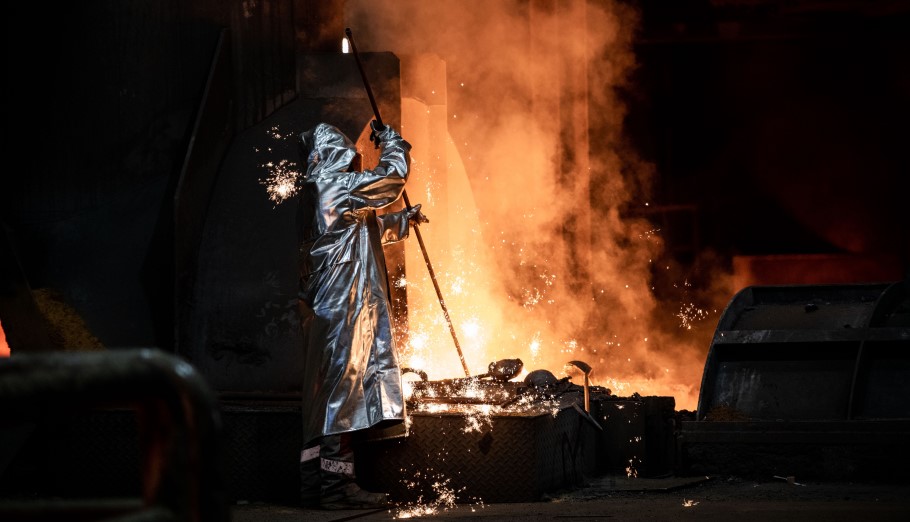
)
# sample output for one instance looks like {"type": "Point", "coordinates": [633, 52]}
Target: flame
{"type": "Point", "coordinates": [4, 347]}
{"type": "Point", "coordinates": [417, 344]}
{"type": "Point", "coordinates": [345, 45]}
{"type": "Point", "coordinates": [472, 329]}
{"type": "Point", "coordinates": [535, 262]}
{"type": "Point", "coordinates": [534, 346]}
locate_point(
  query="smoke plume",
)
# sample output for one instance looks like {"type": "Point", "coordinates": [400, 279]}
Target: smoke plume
{"type": "Point", "coordinates": [534, 236]}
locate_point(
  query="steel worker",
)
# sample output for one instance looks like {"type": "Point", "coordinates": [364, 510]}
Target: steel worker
{"type": "Point", "coordinates": [351, 376]}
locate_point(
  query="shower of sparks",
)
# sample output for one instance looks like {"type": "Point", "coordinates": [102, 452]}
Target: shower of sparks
{"type": "Point", "coordinates": [474, 390]}
{"type": "Point", "coordinates": [530, 297]}
{"type": "Point", "coordinates": [618, 387]}
{"type": "Point", "coordinates": [479, 417]}
{"type": "Point", "coordinates": [401, 282]}
{"type": "Point", "coordinates": [548, 279]}
{"type": "Point", "coordinates": [690, 314]}
{"type": "Point", "coordinates": [477, 422]}
{"type": "Point", "coordinates": [649, 234]}
{"type": "Point", "coordinates": [445, 497]}
{"type": "Point", "coordinates": [407, 388]}
{"type": "Point", "coordinates": [408, 422]}
{"type": "Point", "coordinates": [534, 346]}
{"type": "Point", "coordinates": [631, 470]}
{"type": "Point", "coordinates": [275, 133]}
{"type": "Point", "coordinates": [471, 329]}
{"type": "Point", "coordinates": [457, 286]}
{"type": "Point", "coordinates": [418, 342]}
{"type": "Point", "coordinates": [281, 182]}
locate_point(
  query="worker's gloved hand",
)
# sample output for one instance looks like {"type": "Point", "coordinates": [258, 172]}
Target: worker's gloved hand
{"type": "Point", "coordinates": [415, 216]}
{"type": "Point", "coordinates": [376, 130]}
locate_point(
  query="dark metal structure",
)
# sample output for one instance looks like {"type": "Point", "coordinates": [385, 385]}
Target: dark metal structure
{"type": "Point", "coordinates": [808, 378]}
{"type": "Point", "coordinates": [237, 312]}
{"type": "Point", "coordinates": [516, 458]}
{"type": "Point", "coordinates": [638, 437]}
{"type": "Point", "coordinates": [52, 468]}
{"type": "Point", "coordinates": [493, 439]}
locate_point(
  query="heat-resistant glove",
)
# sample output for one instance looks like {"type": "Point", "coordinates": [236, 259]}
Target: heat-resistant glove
{"type": "Point", "coordinates": [376, 130]}
{"type": "Point", "coordinates": [415, 216]}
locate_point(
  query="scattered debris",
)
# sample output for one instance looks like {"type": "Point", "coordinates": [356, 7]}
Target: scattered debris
{"type": "Point", "coordinates": [789, 480]}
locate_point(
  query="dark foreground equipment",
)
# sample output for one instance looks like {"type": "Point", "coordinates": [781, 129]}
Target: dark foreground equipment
{"type": "Point", "coordinates": [812, 381]}
{"type": "Point", "coordinates": [493, 439]}
{"type": "Point", "coordinates": [49, 472]}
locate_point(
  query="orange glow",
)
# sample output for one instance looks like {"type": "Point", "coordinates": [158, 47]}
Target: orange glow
{"type": "Point", "coordinates": [521, 165]}
{"type": "Point", "coordinates": [541, 324]}
{"type": "Point", "coordinates": [4, 347]}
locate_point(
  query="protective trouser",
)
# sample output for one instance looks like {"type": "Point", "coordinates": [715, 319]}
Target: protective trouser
{"type": "Point", "coordinates": [326, 469]}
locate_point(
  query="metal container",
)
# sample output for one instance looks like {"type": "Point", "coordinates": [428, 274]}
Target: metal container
{"type": "Point", "coordinates": [515, 457]}
{"type": "Point", "coordinates": [810, 353]}
{"type": "Point", "coordinates": [810, 380]}
{"type": "Point", "coordinates": [638, 436]}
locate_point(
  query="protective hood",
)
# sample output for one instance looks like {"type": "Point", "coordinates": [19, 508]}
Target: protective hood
{"type": "Point", "coordinates": [326, 149]}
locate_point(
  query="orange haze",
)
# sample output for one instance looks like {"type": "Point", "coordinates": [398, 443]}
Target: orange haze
{"type": "Point", "coordinates": [535, 260]}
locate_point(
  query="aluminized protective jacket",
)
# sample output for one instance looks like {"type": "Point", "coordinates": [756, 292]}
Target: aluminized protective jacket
{"type": "Point", "coordinates": [351, 376]}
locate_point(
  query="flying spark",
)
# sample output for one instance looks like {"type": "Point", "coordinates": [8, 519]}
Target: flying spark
{"type": "Point", "coordinates": [690, 314]}
{"type": "Point", "coordinates": [281, 181]}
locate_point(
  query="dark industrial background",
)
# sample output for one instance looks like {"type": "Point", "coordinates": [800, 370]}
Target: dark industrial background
{"type": "Point", "coordinates": [777, 128]}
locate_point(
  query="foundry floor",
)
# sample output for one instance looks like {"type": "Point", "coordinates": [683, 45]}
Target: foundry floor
{"type": "Point", "coordinates": [673, 498]}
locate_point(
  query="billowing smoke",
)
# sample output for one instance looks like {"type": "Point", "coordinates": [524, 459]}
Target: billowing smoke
{"type": "Point", "coordinates": [532, 231]}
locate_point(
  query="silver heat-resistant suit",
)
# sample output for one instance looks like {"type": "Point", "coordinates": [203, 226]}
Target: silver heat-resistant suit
{"type": "Point", "coordinates": [351, 366]}
{"type": "Point", "coordinates": [351, 377]}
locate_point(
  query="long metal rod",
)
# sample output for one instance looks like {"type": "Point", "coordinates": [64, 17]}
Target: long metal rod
{"type": "Point", "coordinates": [363, 75]}
{"type": "Point", "coordinates": [407, 202]}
